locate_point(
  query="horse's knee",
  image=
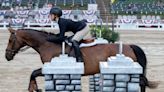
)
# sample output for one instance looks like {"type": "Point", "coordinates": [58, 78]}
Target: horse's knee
{"type": "Point", "coordinates": [36, 73]}
{"type": "Point", "coordinates": [33, 75]}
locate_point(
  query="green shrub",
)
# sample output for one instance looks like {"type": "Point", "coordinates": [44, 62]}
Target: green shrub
{"type": "Point", "coordinates": [106, 33]}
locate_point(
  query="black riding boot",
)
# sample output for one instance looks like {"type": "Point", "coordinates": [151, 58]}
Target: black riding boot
{"type": "Point", "coordinates": [78, 54]}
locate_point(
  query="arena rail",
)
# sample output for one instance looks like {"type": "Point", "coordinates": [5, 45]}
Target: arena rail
{"type": "Point", "coordinates": [117, 26]}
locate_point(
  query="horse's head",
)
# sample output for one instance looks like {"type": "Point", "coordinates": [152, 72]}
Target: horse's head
{"type": "Point", "coordinates": [14, 44]}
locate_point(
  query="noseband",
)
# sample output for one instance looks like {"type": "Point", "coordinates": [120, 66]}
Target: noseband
{"type": "Point", "coordinates": [12, 50]}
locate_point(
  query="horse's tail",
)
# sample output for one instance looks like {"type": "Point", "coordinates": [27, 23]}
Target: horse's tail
{"type": "Point", "coordinates": [141, 59]}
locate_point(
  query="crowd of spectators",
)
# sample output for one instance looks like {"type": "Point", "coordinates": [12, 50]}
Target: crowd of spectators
{"type": "Point", "coordinates": [138, 7]}
{"type": "Point", "coordinates": [37, 11]}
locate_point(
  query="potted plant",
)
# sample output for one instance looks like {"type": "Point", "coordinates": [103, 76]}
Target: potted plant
{"type": "Point", "coordinates": [105, 33]}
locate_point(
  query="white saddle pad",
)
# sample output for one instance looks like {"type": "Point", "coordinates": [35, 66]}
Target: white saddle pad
{"type": "Point", "coordinates": [96, 41]}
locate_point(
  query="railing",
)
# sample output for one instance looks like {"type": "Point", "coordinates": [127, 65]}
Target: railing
{"type": "Point", "coordinates": [117, 26]}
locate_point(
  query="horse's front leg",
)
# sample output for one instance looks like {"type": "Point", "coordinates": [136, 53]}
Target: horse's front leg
{"type": "Point", "coordinates": [33, 84]}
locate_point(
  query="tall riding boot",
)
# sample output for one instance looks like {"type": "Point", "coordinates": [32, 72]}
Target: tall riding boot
{"type": "Point", "coordinates": [78, 54]}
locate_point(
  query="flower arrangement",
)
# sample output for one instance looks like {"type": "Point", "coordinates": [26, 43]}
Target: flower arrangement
{"type": "Point", "coordinates": [105, 32]}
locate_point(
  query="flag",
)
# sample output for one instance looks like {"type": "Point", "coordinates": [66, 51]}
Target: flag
{"type": "Point", "coordinates": [112, 1]}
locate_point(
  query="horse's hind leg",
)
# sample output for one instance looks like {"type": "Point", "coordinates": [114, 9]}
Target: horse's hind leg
{"type": "Point", "coordinates": [141, 59]}
{"type": "Point", "coordinates": [143, 88]}
{"type": "Point", "coordinates": [33, 84]}
{"type": "Point", "coordinates": [143, 83]}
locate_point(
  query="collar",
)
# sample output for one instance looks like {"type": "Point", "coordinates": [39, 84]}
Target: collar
{"type": "Point", "coordinates": [57, 20]}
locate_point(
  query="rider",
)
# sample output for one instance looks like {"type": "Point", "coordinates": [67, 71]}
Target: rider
{"type": "Point", "coordinates": [80, 29]}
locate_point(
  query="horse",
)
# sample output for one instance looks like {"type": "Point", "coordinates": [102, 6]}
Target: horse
{"type": "Point", "coordinates": [92, 55]}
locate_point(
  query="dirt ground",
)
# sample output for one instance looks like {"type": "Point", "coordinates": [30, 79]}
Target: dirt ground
{"type": "Point", "coordinates": [15, 74]}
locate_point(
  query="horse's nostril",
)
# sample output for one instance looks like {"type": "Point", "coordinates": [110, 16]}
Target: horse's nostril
{"type": "Point", "coordinates": [8, 57]}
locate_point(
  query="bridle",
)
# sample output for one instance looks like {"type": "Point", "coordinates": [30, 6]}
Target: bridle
{"type": "Point", "coordinates": [12, 50]}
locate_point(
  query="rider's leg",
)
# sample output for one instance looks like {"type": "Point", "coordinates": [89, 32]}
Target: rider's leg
{"type": "Point", "coordinates": [78, 53]}
{"type": "Point", "coordinates": [83, 34]}
{"type": "Point", "coordinates": [33, 84]}
{"type": "Point", "coordinates": [75, 42]}
{"type": "Point", "coordinates": [88, 35]}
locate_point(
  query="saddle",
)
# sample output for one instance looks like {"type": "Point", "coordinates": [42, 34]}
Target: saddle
{"type": "Point", "coordinates": [88, 42]}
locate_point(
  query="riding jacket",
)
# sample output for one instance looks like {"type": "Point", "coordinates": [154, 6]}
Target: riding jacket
{"type": "Point", "coordinates": [66, 25]}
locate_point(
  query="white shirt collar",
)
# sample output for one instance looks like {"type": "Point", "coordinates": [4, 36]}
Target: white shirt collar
{"type": "Point", "coordinates": [57, 20]}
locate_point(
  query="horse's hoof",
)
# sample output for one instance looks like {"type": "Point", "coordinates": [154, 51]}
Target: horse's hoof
{"type": "Point", "coordinates": [153, 84]}
{"type": "Point", "coordinates": [39, 90]}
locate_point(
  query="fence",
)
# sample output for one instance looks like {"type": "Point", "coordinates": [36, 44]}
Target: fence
{"type": "Point", "coordinates": [63, 74]}
{"type": "Point", "coordinates": [46, 24]}
{"type": "Point", "coordinates": [118, 74]}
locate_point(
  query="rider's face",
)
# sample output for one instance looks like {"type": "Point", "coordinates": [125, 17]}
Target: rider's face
{"type": "Point", "coordinates": [53, 17]}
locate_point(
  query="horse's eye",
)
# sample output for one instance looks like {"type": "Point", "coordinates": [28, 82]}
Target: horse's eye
{"type": "Point", "coordinates": [13, 33]}
{"type": "Point", "coordinates": [10, 41]}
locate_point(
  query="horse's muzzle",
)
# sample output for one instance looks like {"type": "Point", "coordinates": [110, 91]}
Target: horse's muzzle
{"type": "Point", "coordinates": [9, 56]}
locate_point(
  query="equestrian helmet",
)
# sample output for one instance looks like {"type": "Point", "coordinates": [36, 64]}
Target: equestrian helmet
{"type": "Point", "coordinates": [57, 11]}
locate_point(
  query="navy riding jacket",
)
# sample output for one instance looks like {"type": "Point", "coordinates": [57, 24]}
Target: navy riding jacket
{"type": "Point", "coordinates": [66, 25]}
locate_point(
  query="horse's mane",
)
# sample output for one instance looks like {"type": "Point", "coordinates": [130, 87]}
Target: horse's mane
{"type": "Point", "coordinates": [39, 31]}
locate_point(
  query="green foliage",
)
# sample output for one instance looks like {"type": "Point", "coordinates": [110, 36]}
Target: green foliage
{"type": "Point", "coordinates": [106, 33]}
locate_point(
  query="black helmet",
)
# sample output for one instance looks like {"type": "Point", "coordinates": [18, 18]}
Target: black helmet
{"type": "Point", "coordinates": [57, 11]}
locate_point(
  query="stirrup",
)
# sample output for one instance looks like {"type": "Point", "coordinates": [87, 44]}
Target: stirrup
{"type": "Point", "coordinates": [79, 60]}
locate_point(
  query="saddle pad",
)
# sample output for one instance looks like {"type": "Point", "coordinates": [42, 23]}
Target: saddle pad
{"type": "Point", "coordinates": [96, 41]}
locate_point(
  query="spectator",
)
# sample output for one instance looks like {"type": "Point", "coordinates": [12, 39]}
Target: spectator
{"type": "Point", "coordinates": [18, 2]}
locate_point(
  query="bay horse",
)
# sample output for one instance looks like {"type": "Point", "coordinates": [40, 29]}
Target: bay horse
{"type": "Point", "coordinates": [91, 55]}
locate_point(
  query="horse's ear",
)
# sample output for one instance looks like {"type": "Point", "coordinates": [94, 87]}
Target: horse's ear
{"type": "Point", "coordinates": [11, 30]}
